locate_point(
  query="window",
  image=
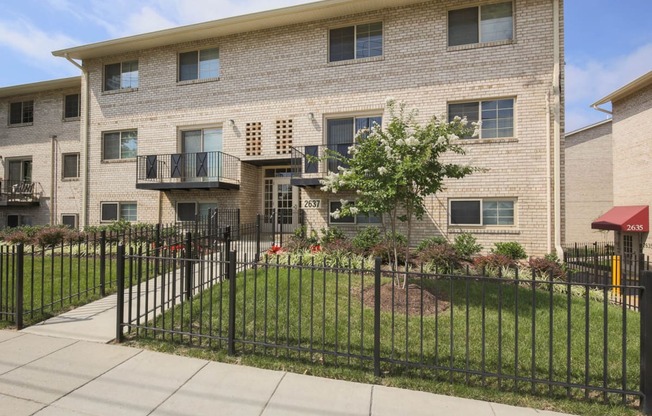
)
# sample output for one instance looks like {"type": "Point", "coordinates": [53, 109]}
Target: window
{"type": "Point", "coordinates": [69, 220]}
{"type": "Point", "coordinates": [340, 134]}
{"type": "Point", "coordinates": [490, 23]}
{"type": "Point", "coordinates": [120, 145]}
{"type": "Point", "coordinates": [16, 220]}
{"type": "Point", "coordinates": [188, 211]}
{"type": "Point", "coordinates": [199, 64]}
{"type": "Point", "coordinates": [355, 42]}
{"type": "Point", "coordinates": [497, 116]}
{"type": "Point", "coordinates": [479, 212]}
{"type": "Point", "coordinates": [356, 219]}
{"type": "Point", "coordinates": [72, 106]}
{"type": "Point", "coordinates": [122, 75]}
{"type": "Point", "coordinates": [114, 211]}
{"type": "Point", "coordinates": [21, 112]}
{"type": "Point", "coordinates": [71, 165]}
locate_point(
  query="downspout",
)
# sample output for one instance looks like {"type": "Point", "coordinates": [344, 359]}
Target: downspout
{"type": "Point", "coordinates": [85, 128]}
{"type": "Point", "coordinates": [550, 201]}
{"type": "Point", "coordinates": [53, 192]}
{"type": "Point", "coordinates": [556, 85]}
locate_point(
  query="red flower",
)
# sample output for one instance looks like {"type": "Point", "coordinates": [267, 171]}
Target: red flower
{"type": "Point", "coordinates": [315, 248]}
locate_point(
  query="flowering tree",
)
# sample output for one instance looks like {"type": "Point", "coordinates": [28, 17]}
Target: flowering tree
{"type": "Point", "coordinates": [393, 170]}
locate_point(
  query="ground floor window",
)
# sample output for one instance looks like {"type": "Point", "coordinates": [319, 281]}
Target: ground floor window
{"type": "Point", "coordinates": [352, 219]}
{"type": "Point", "coordinates": [479, 212]}
{"type": "Point", "coordinates": [114, 211]}
{"type": "Point", "coordinates": [17, 220]}
{"type": "Point", "coordinates": [191, 211]}
{"type": "Point", "coordinates": [69, 220]}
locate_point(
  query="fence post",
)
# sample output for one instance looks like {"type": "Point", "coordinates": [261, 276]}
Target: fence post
{"type": "Point", "coordinates": [646, 342]}
{"type": "Point", "coordinates": [120, 288]}
{"type": "Point", "coordinates": [188, 260]}
{"type": "Point", "coordinates": [274, 226]}
{"type": "Point", "coordinates": [258, 235]}
{"type": "Point", "coordinates": [231, 329]}
{"type": "Point", "coordinates": [103, 263]}
{"type": "Point", "coordinates": [377, 317]}
{"type": "Point", "coordinates": [20, 267]}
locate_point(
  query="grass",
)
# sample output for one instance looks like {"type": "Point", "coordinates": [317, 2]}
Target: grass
{"type": "Point", "coordinates": [313, 321]}
{"type": "Point", "coordinates": [52, 285]}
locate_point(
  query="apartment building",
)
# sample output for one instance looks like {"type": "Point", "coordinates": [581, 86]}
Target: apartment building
{"type": "Point", "coordinates": [629, 218]}
{"type": "Point", "coordinates": [227, 114]}
{"type": "Point", "coordinates": [40, 153]}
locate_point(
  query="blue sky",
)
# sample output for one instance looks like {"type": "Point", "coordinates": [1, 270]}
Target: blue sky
{"type": "Point", "coordinates": [608, 42]}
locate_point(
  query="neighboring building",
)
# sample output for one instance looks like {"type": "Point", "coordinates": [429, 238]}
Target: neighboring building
{"type": "Point", "coordinates": [225, 113]}
{"type": "Point", "coordinates": [589, 181]}
{"type": "Point", "coordinates": [632, 153]}
{"type": "Point", "coordinates": [39, 152]}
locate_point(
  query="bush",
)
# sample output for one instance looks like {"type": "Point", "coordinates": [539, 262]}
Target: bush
{"type": "Point", "coordinates": [18, 236]}
{"type": "Point", "coordinates": [493, 261]}
{"type": "Point", "coordinates": [511, 249]}
{"type": "Point", "coordinates": [546, 265]}
{"type": "Point", "coordinates": [441, 256]}
{"type": "Point", "coordinates": [51, 236]}
{"type": "Point", "coordinates": [331, 234]}
{"type": "Point", "coordinates": [466, 246]}
{"type": "Point", "coordinates": [431, 241]}
{"type": "Point", "coordinates": [385, 250]}
{"type": "Point", "coordinates": [340, 245]}
{"type": "Point", "coordinates": [365, 240]}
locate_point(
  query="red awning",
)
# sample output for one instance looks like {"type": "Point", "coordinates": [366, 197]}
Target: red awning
{"type": "Point", "coordinates": [628, 219]}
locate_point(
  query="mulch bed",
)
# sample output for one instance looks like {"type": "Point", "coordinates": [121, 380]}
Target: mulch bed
{"type": "Point", "coordinates": [431, 302]}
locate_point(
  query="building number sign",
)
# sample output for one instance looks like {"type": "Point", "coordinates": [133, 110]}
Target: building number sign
{"type": "Point", "coordinates": [634, 227]}
{"type": "Point", "coordinates": [312, 203]}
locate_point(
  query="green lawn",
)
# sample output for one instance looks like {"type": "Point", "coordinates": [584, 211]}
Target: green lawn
{"type": "Point", "coordinates": [465, 337]}
{"type": "Point", "coordinates": [53, 284]}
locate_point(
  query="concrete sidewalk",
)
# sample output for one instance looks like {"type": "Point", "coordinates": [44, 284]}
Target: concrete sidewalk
{"type": "Point", "coordinates": [43, 375]}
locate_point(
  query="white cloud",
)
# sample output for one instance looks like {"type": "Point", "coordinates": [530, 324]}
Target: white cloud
{"type": "Point", "coordinates": [34, 45]}
{"type": "Point", "coordinates": [588, 81]}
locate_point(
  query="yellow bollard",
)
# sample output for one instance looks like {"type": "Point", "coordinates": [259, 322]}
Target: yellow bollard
{"type": "Point", "coordinates": [615, 274]}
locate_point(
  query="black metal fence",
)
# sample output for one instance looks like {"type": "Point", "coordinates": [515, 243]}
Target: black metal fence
{"type": "Point", "coordinates": [40, 280]}
{"type": "Point", "coordinates": [524, 333]}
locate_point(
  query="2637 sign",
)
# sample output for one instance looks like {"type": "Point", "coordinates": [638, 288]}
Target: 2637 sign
{"type": "Point", "coordinates": [312, 204]}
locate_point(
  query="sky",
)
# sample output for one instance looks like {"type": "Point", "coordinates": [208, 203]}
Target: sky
{"type": "Point", "coordinates": [608, 43]}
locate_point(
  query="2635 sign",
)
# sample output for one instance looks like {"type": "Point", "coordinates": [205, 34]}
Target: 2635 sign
{"type": "Point", "coordinates": [312, 204]}
{"type": "Point", "coordinates": [634, 227]}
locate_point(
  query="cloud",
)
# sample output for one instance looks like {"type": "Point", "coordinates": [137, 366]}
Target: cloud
{"type": "Point", "coordinates": [590, 80]}
{"type": "Point", "coordinates": [34, 45]}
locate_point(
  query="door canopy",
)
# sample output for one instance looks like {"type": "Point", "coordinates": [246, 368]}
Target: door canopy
{"type": "Point", "coordinates": [627, 218]}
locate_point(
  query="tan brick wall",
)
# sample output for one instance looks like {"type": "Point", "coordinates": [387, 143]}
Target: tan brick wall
{"type": "Point", "coordinates": [632, 127]}
{"type": "Point", "coordinates": [283, 73]}
{"type": "Point", "coordinates": [33, 141]}
{"type": "Point", "coordinates": [589, 182]}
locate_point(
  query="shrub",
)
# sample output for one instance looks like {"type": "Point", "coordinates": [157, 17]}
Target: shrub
{"type": "Point", "coordinates": [441, 256]}
{"type": "Point", "coordinates": [466, 246]}
{"type": "Point", "coordinates": [51, 236]}
{"type": "Point", "coordinates": [385, 250]}
{"type": "Point", "coordinates": [340, 245]}
{"type": "Point", "coordinates": [331, 234]}
{"type": "Point", "coordinates": [18, 236]}
{"type": "Point", "coordinates": [365, 240]}
{"type": "Point", "coordinates": [511, 249]}
{"type": "Point", "coordinates": [547, 265]}
{"type": "Point", "coordinates": [493, 261]}
{"type": "Point", "coordinates": [431, 241]}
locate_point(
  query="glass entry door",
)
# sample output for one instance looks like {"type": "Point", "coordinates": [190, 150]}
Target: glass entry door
{"type": "Point", "coordinates": [202, 154]}
{"type": "Point", "coordinates": [281, 201]}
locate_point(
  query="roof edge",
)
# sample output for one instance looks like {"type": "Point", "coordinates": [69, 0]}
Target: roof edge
{"type": "Point", "coordinates": [33, 87]}
{"type": "Point", "coordinates": [590, 126]}
{"type": "Point", "coordinates": [628, 89]}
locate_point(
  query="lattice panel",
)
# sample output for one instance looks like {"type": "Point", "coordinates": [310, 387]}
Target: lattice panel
{"type": "Point", "coordinates": [254, 139]}
{"type": "Point", "coordinates": [283, 136]}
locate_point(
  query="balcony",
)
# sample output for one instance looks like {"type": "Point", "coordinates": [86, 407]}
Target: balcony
{"type": "Point", "coordinates": [186, 171]}
{"type": "Point", "coordinates": [19, 193]}
{"type": "Point", "coordinates": [309, 163]}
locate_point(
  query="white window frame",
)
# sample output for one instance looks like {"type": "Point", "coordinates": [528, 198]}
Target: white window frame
{"type": "Point", "coordinates": [118, 210]}
{"type": "Point", "coordinates": [122, 79]}
{"type": "Point", "coordinates": [63, 166]}
{"type": "Point", "coordinates": [355, 42]}
{"type": "Point", "coordinates": [479, 103]}
{"type": "Point", "coordinates": [480, 41]}
{"type": "Point", "coordinates": [482, 201]}
{"type": "Point", "coordinates": [74, 216]}
{"type": "Point", "coordinates": [198, 77]}
{"type": "Point", "coordinates": [121, 132]}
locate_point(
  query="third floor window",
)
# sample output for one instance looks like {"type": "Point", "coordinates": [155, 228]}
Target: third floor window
{"type": "Point", "coordinates": [21, 112]}
{"type": "Point", "coordinates": [480, 24]}
{"type": "Point", "coordinates": [355, 42]}
{"type": "Point", "coordinates": [122, 75]}
{"type": "Point", "coordinates": [201, 64]}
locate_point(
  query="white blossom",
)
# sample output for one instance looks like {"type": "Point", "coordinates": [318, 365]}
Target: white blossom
{"type": "Point", "coordinates": [336, 214]}
{"type": "Point", "coordinates": [354, 210]}
{"type": "Point", "coordinates": [412, 141]}
{"type": "Point", "coordinates": [453, 137]}
{"type": "Point", "coordinates": [390, 101]}
{"type": "Point", "coordinates": [382, 170]}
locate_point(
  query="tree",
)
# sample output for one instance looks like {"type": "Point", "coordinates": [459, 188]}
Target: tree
{"type": "Point", "coordinates": [393, 170]}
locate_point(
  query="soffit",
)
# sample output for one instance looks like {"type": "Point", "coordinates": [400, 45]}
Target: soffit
{"type": "Point", "coordinates": [37, 87]}
{"type": "Point", "coordinates": [239, 24]}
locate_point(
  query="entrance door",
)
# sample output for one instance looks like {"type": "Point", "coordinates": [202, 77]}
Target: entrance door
{"type": "Point", "coordinates": [281, 201]}
{"type": "Point", "coordinates": [201, 158]}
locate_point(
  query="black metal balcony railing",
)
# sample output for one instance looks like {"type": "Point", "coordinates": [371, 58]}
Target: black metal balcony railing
{"type": "Point", "coordinates": [310, 163]}
{"type": "Point", "coordinates": [19, 192]}
{"type": "Point", "coordinates": [188, 171]}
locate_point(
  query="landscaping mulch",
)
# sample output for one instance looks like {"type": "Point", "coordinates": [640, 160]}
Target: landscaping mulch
{"type": "Point", "coordinates": [430, 304]}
